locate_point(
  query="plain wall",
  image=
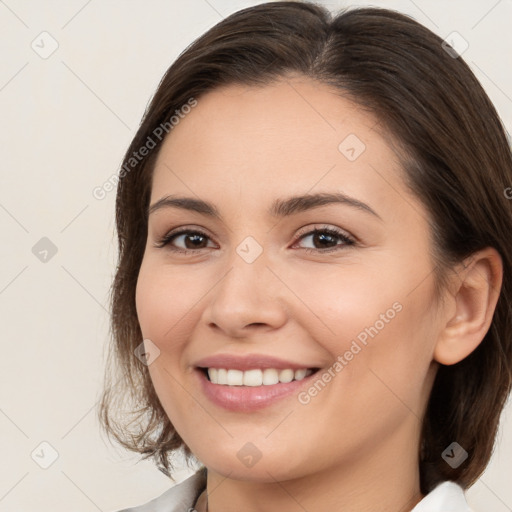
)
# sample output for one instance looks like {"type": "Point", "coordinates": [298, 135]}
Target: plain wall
{"type": "Point", "coordinates": [67, 119]}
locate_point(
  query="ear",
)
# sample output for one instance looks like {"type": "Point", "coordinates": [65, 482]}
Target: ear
{"type": "Point", "coordinates": [475, 289]}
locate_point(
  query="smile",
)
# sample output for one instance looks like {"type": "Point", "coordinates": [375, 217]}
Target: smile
{"type": "Point", "coordinates": [256, 377]}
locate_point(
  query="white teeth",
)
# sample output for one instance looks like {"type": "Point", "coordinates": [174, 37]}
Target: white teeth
{"type": "Point", "coordinates": [286, 375]}
{"type": "Point", "coordinates": [222, 376]}
{"type": "Point", "coordinates": [300, 374]}
{"type": "Point", "coordinates": [270, 376]}
{"type": "Point", "coordinates": [213, 373]}
{"type": "Point", "coordinates": [255, 377]}
{"type": "Point", "coordinates": [235, 378]}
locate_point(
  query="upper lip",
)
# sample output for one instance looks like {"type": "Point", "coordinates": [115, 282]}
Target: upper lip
{"type": "Point", "coordinates": [248, 362]}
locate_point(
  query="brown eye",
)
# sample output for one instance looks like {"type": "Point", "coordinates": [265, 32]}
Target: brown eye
{"type": "Point", "coordinates": [326, 240]}
{"type": "Point", "coordinates": [187, 241]}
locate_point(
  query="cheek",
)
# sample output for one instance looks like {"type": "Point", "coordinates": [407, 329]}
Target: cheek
{"type": "Point", "coordinates": [165, 300]}
{"type": "Point", "coordinates": [338, 305]}
{"type": "Point", "coordinates": [389, 374]}
{"type": "Point", "coordinates": [381, 325]}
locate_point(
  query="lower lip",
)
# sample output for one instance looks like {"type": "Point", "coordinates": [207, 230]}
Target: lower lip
{"type": "Point", "coordinates": [249, 398]}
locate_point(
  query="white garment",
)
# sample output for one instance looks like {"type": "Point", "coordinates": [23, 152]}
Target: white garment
{"type": "Point", "coordinates": [446, 497]}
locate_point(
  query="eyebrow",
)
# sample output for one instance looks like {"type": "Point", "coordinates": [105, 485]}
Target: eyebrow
{"type": "Point", "coordinates": [279, 208]}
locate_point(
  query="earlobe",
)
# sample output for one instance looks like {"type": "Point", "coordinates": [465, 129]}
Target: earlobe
{"type": "Point", "coordinates": [475, 291]}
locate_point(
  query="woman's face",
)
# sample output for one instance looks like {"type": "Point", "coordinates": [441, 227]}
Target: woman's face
{"type": "Point", "coordinates": [259, 293]}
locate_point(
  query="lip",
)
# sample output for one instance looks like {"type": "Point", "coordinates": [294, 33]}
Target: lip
{"type": "Point", "coordinates": [249, 362]}
{"type": "Point", "coordinates": [249, 398]}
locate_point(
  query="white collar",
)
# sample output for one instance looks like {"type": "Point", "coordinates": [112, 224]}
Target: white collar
{"type": "Point", "coordinates": [446, 497]}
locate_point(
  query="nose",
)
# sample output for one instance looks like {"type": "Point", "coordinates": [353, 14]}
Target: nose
{"type": "Point", "coordinates": [248, 298]}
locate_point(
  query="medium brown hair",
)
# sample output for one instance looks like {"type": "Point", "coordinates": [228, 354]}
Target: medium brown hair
{"type": "Point", "coordinates": [455, 158]}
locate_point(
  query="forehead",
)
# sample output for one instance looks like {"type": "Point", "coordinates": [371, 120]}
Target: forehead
{"type": "Point", "coordinates": [279, 116]}
{"type": "Point", "coordinates": [292, 136]}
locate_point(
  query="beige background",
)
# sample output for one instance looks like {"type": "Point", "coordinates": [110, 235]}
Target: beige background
{"type": "Point", "coordinates": [67, 120]}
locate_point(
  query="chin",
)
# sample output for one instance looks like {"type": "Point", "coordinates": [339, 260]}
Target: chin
{"type": "Point", "coordinates": [250, 463]}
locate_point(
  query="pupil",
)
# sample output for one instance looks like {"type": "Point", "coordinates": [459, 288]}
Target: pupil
{"type": "Point", "coordinates": [194, 239]}
{"type": "Point", "coordinates": [325, 237]}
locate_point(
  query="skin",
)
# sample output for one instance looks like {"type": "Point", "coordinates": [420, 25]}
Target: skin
{"type": "Point", "coordinates": [354, 446]}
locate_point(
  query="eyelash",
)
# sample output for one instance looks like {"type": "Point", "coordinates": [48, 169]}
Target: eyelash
{"type": "Point", "coordinates": [347, 241]}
